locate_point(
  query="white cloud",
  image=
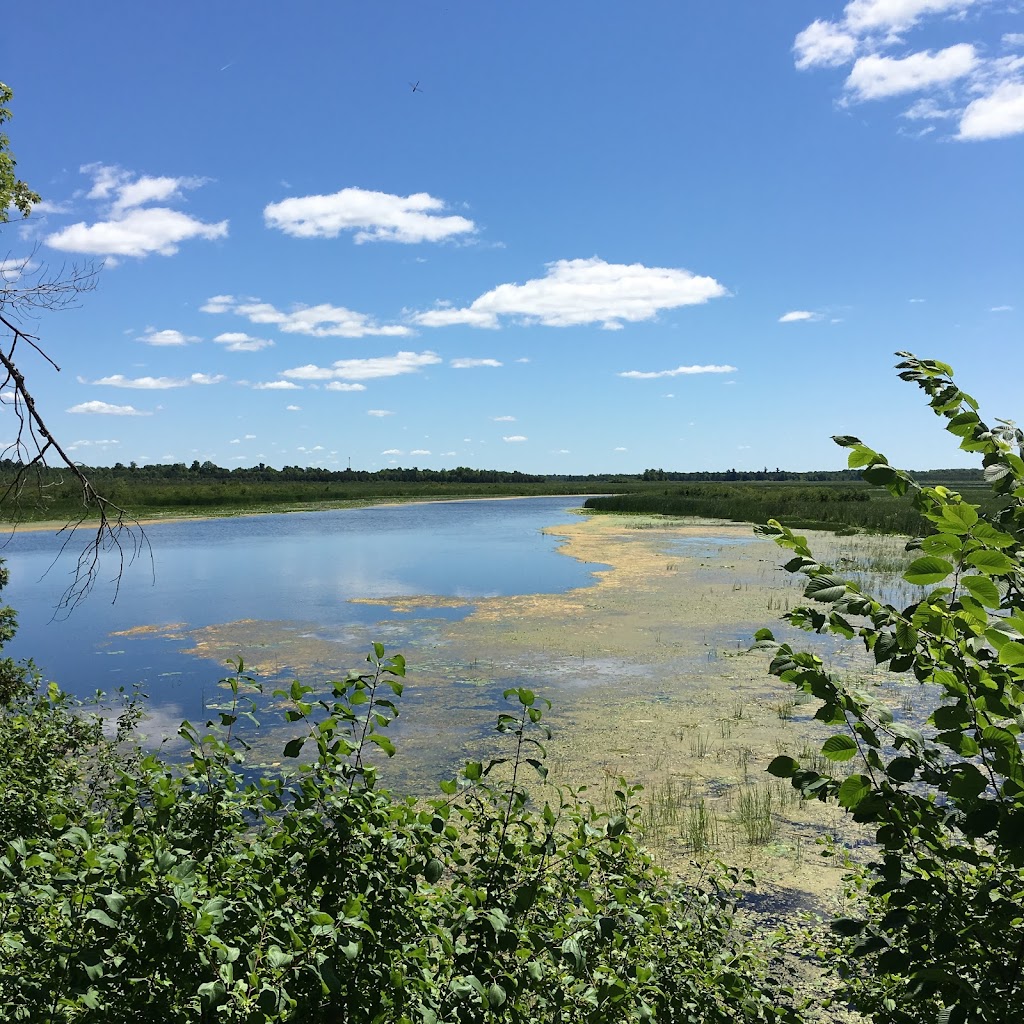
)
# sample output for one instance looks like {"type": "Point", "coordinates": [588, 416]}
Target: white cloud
{"type": "Point", "coordinates": [468, 364]}
{"type": "Point", "coordinates": [128, 227]}
{"type": "Point", "coordinates": [374, 216]}
{"type": "Point", "coordinates": [235, 440]}
{"type": "Point", "coordinates": [583, 291]}
{"type": "Point", "coordinates": [151, 336]}
{"type": "Point", "coordinates": [928, 110]}
{"type": "Point", "coordinates": [391, 451]}
{"type": "Point", "coordinates": [864, 16]}
{"type": "Point", "coordinates": [798, 315]}
{"type": "Point", "coordinates": [238, 341]}
{"type": "Point", "coordinates": [337, 385]}
{"type": "Point", "coordinates": [106, 409]}
{"type": "Point", "coordinates": [915, 300]}
{"type": "Point", "coordinates": [276, 385]}
{"type": "Point", "coordinates": [139, 233]}
{"type": "Point", "coordinates": [871, 33]}
{"type": "Point", "coordinates": [515, 438]}
{"type": "Point", "coordinates": [823, 44]}
{"type": "Point", "coordinates": [250, 437]}
{"type": "Point", "coordinates": [995, 116]}
{"type": "Point", "coordinates": [678, 371]}
{"type": "Point", "coordinates": [379, 413]}
{"type": "Point", "coordinates": [620, 449]}
{"type": "Point", "coordinates": [322, 321]}
{"type": "Point", "coordinates": [419, 451]}
{"type": "Point", "coordinates": [146, 383]}
{"type": "Point", "coordinates": [293, 408]}
{"type": "Point", "coordinates": [504, 419]}
{"type": "Point", "coordinates": [1001, 309]}
{"type": "Point", "coordinates": [365, 369]}
{"type": "Point", "coordinates": [118, 380]}
{"type": "Point", "coordinates": [92, 444]}
{"type": "Point", "coordinates": [876, 77]}
{"type": "Point", "coordinates": [12, 267]}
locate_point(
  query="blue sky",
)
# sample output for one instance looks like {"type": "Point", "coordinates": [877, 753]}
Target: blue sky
{"type": "Point", "coordinates": [596, 237]}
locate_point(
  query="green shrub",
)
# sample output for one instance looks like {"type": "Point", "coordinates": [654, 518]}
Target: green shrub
{"type": "Point", "coordinates": [940, 932]}
{"type": "Point", "coordinates": [136, 889]}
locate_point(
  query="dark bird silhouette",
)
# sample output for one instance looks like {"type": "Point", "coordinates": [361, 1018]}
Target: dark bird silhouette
{"type": "Point", "coordinates": [415, 86]}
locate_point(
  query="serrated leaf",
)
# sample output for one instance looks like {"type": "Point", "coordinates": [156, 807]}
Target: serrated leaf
{"type": "Point", "coordinates": [923, 572]}
{"type": "Point", "coordinates": [959, 518]}
{"type": "Point", "coordinates": [782, 767]}
{"type": "Point", "coordinates": [825, 588]}
{"type": "Point", "coordinates": [839, 748]}
{"type": "Point", "coordinates": [982, 589]}
{"type": "Point", "coordinates": [995, 563]}
{"type": "Point", "coordinates": [1011, 653]}
{"type": "Point", "coordinates": [853, 790]}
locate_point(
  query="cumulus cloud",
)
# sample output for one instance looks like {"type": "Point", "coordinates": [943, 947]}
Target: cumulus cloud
{"type": "Point", "coordinates": [420, 451]}
{"type": "Point", "coordinates": [293, 408]}
{"type": "Point", "coordinates": [130, 227]}
{"type": "Point", "coordinates": [391, 451]}
{"type": "Point", "coordinates": [238, 341]}
{"type": "Point", "coordinates": [379, 413]}
{"type": "Point", "coordinates": [106, 409]}
{"type": "Point", "coordinates": [166, 338]}
{"type": "Point", "coordinates": [1001, 309]}
{"type": "Point", "coordinates": [373, 216]}
{"type": "Point", "coordinates": [823, 44]}
{"type": "Point", "coordinates": [798, 315]}
{"type": "Point", "coordinates": [583, 291]}
{"type": "Point", "coordinates": [468, 364]}
{"type": "Point", "coordinates": [504, 419]}
{"type": "Point", "coordinates": [75, 445]}
{"type": "Point", "coordinates": [995, 116]}
{"type": "Point", "coordinates": [321, 321]}
{"type": "Point", "coordinates": [678, 371]}
{"type": "Point", "coordinates": [118, 380]}
{"type": "Point", "coordinates": [876, 77]}
{"type": "Point", "coordinates": [337, 385]}
{"type": "Point", "coordinates": [275, 385]}
{"type": "Point", "coordinates": [365, 369]}
{"type": "Point", "coordinates": [985, 93]}
{"type": "Point", "coordinates": [515, 438]}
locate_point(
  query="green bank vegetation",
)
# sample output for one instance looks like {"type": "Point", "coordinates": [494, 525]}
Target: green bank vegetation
{"type": "Point", "coordinates": [135, 887]}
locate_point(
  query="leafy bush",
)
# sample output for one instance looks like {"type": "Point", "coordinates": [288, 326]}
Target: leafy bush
{"type": "Point", "coordinates": [941, 934]}
{"type": "Point", "coordinates": [136, 889]}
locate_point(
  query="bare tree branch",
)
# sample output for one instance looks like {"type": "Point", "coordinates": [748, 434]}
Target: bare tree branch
{"type": "Point", "coordinates": [116, 531]}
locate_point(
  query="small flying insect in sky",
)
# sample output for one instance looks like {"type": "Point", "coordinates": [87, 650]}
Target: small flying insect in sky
{"type": "Point", "coordinates": [415, 86]}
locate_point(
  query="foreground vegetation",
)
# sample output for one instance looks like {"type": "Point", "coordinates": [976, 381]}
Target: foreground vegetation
{"type": "Point", "coordinates": [137, 888]}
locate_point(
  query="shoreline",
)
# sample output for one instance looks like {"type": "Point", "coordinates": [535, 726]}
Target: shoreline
{"type": "Point", "coordinates": [10, 527]}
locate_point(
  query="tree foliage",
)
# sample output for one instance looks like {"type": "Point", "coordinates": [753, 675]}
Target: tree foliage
{"type": "Point", "coordinates": [135, 888]}
{"type": "Point", "coordinates": [941, 936]}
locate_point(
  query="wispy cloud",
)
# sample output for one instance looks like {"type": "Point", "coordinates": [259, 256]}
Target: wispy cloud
{"type": "Point", "coordinates": [677, 372]}
{"type": "Point", "coordinates": [468, 364]}
{"type": "Point", "coordinates": [118, 380]}
{"type": "Point", "coordinates": [373, 216]}
{"type": "Point", "coordinates": [1001, 309]}
{"type": "Point", "coordinates": [515, 438]}
{"type": "Point", "coordinates": [582, 291]}
{"type": "Point", "coordinates": [321, 321]}
{"type": "Point", "coordinates": [106, 409]}
{"type": "Point", "coordinates": [504, 419]}
{"type": "Point", "coordinates": [337, 385]}
{"type": "Point", "coordinates": [131, 226]}
{"type": "Point", "coordinates": [238, 341]}
{"type": "Point", "coordinates": [379, 413]}
{"type": "Point", "coordinates": [799, 316]}
{"type": "Point", "coordinates": [365, 369]}
{"type": "Point", "coordinates": [165, 338]}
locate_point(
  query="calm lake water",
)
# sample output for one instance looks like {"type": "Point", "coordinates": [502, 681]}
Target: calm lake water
{"type": "Point", "coordinates": [301, 567]}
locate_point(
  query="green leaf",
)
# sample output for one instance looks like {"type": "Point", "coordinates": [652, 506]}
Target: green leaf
{"type": "Point", "coordinates": [995, 563]}
{"type": "Point", "coordinates": [293, 747]}
{"type": "Point", "coordinates": [959, 519]}
{"type": "Point", "coordinates": [942, 544]}
{"type": "Point", "coordinates": [1011, 653]}
{"type": "Point", "coordinates": [839, 748]}
{"type": "Point", "coordinates": [825, 588]}
{"type": "Point", "coordinates": [982, 589]}
{"type": "Point", "coordinates": [782, 767]}
{"type": "Point", "coordinates": [383, 742]}
{"type": "Point", "coordinates": [853, 790]}
{"type": "Point", "coordinates": [925, 571]}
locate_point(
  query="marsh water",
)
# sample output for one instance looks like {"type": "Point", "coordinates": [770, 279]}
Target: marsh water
{"type": "Point", "coordinates": [303, 568]}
